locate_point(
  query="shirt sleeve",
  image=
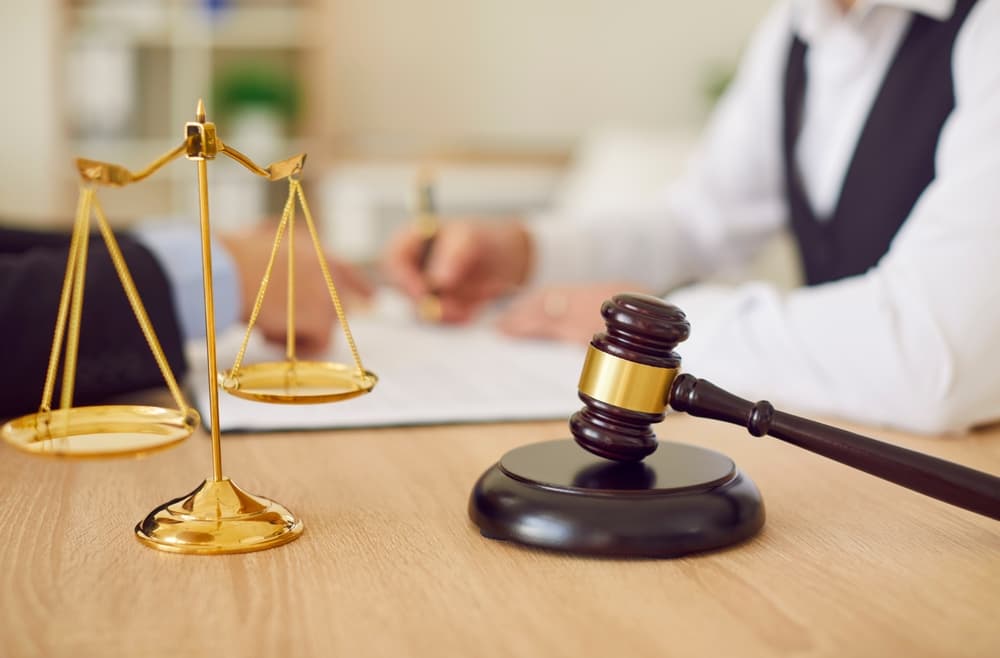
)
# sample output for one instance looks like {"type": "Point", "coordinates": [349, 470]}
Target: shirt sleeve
{"type": "Point", "coordinates": [912, 342]}
{"type": "Point", "coordinates": [114, 357]}
{"type": "Point", "coordinates": [729, 201]}
{"type": "Point", "coordinates": [177, 248]}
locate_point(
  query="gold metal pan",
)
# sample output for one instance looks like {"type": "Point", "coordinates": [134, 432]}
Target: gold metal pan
{"type": "Point", "coordinates": [100, 431]}
{"type": "Point", "coordinates": [298, 382]}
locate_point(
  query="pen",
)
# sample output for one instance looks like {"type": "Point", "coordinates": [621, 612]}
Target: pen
{"type": "Point", "coordinates": [429, 307]}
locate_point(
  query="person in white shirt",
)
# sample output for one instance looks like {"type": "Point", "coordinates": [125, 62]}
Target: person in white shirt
{"type": "Point", "coordinates": [872, 129]}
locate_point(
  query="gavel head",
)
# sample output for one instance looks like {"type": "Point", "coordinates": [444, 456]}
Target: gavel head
{"type": "Point", "coordinates": [626, 378]}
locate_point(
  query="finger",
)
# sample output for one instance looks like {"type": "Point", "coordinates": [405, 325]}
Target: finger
{"type": "Point", "coordinates": [401, 263]}
{"type": "Point", "coordinates": [459, 310]}
{"type": "Point", "coordinates": [563, 314]}
{"type": "Point", "coordinates": [462, 306]}
{"type": "Point", "coordinates": [312, 344]}
{"type": "Point", "coordinates": [526, 318]}
{"type": "Point", "coordinates": [314, 329]}
{"type": "Point", "coordinates": [309, 340]}
{"type": "Point", "coordinates": [465, 304]}
{"type": "Point", "coordinates": [452, 259]}
{"type": "Point", "coordinates": [355, 280]}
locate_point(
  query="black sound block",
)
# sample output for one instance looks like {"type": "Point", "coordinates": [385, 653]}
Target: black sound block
{"type": "Point", "coordinates": [681, 499]}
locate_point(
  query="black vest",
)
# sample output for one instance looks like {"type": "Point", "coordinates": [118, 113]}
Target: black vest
{"type": "Point", "coordinates": [893, 161]}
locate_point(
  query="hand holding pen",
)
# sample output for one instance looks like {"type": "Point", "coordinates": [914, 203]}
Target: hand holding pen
{"type": "Point", "coordinates": [458, 265]}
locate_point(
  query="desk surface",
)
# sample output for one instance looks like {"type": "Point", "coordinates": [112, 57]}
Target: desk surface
{"type": "Point", "coordinates": [390, 565]}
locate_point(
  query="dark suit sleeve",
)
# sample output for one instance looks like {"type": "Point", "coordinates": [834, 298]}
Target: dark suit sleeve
{"type": "Point", "coordinates": [114, 357]}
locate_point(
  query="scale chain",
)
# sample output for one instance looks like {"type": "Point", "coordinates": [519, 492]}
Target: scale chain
{"type": "Point", "coordinates": [341, 316]}
{"type": "Point", "coordinates": [287, 220]}
{"type": "Point", "coordinates": [286, 215]}
{"type": "Point", "coordinates": [76, 309]}
{"type": "Point", "coordinates": [138, 309]}
{"type": "Point", "coordinates": [79, 233]}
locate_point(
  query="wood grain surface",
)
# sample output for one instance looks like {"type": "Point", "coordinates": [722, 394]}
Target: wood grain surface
{"type": "Point", "coordinates": [389, 565]}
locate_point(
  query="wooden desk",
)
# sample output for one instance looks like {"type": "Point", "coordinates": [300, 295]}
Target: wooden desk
{"type": "Point", "coordinates": [390, 565]}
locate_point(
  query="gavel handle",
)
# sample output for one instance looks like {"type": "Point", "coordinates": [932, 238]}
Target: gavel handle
{"type": "Point", "coordinates": [955, 484]}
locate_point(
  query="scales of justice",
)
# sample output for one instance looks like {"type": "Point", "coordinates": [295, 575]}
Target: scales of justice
{"type": "Point", "coordinates": [612, 490]}
{"type": "Point", "coordinates": [217, 517]}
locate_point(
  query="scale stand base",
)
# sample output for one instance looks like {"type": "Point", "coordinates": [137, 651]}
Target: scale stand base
{"type": "Point", "coordinates": [554, 495]}
{"type": "Point", "coordinates": [218, 517]}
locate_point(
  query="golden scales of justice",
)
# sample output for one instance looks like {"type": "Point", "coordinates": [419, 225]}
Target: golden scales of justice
{"type": "Point", "coordinates": [217, 517]}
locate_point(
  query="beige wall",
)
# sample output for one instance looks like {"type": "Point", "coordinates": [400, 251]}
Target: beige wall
{"type": "Point", "coordinates": [30, 130]}
{"type": "Point", "coordinates": [389, 77]}
{"type": "Point", "coordinates": [404, 74]}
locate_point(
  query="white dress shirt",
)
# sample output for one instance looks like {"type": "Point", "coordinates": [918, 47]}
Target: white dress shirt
{"type": "Point", "coordinates": [911, 343]}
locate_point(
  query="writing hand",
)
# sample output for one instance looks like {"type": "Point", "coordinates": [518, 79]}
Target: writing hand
{"type": "Point", "coordinates": [469, 264]}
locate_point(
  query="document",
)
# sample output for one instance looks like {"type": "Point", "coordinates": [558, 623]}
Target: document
{"type": "Point", "coordinates": [428, 374]}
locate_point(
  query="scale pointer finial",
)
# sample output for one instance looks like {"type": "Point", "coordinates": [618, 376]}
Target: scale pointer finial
{"type": "Point", "coordinates": [200, 111]}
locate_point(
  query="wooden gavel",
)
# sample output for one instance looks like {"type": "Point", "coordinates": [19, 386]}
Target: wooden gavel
{"type": "Point", "coordinates": [631, 376]}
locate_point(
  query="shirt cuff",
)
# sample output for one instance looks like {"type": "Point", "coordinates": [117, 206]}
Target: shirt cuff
{"type": "Point", "coordinates": [178, 251]}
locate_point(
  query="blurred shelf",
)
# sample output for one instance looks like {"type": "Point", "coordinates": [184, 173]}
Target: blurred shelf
{"type": "Point", "coordinates": [135, 71]}
{"type": "Point", "coordinates": [178, 25]}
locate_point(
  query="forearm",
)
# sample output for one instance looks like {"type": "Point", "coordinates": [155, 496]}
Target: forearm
{"type": "Point", "coordinates": [680, 239]}
{"type": "Point", "coordinates": [570, 250]}
{"type": "Point", "coordinates": [727, 203]}
{"type": "Point", "coordinates": [876, 349]}
{"type": "Point", "coordinates": [114, 357]}
{"type": "Point", "coordinates": [912, 342]}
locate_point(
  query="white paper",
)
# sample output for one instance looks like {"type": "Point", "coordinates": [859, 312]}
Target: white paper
{"type": "Point", "coordinates": [427, 375]}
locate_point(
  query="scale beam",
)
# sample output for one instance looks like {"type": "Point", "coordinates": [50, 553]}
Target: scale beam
{"type": "Point", "coordinates": [217, 517]}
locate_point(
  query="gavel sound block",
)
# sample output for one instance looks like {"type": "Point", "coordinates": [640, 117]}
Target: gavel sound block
{"type": "Point", "coordinates": [623, 494]}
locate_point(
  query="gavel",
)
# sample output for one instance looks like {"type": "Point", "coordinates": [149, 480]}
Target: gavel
{"type": "Point", "coordinates": [641, 497]}
{"type": "Point", "coordinates": [630, 376]}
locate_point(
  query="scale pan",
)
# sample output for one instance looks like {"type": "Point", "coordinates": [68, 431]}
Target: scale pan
{"type": "Point", "coordinates": [101, 431]}
{"type": "Point", "coordinates": [298, 382]}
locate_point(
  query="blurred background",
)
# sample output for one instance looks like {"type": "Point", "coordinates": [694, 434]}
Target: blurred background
{"type": "Point", "coordinates": [521, 104]}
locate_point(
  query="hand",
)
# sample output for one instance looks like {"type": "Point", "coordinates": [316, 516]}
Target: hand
{"type": "Point", "coordinates": [568, 313]}
{"type": "Point", "coordinates": [469, 264]}
{"type": "Point", "coordinates": [315, 315]}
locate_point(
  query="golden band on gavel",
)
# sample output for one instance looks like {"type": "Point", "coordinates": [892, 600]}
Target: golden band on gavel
{"type": "Point", "coordinates": [625, 384]}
